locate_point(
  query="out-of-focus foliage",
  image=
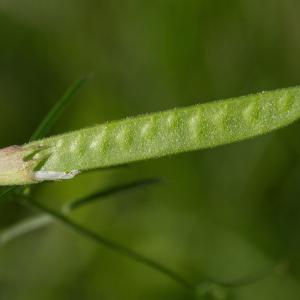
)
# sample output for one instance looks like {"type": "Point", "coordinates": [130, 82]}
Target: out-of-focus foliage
{"type": "Point", "coordinates": [221, 213]}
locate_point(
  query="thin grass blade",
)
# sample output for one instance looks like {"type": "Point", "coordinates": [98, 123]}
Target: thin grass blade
{"type": "Point", "coordinates": [111, 191]}
{"type": "Point", "coordinates": [24, 227]}
{"type": "Point", "coordinates": [6, 192]}
{"type": "Point", "coordinates": [113, 246]}
{"type": "Point", "coordinates": [55, 113]}
{"type": "Point", "coordinates": [35, 223]}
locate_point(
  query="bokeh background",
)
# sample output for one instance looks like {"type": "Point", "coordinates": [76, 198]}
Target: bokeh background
{"type": "Point", "coordinates": [222, 213]}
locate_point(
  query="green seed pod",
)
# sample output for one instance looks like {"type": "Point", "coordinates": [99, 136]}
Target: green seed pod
{"type": "Point", "coordinates": [165, 133]}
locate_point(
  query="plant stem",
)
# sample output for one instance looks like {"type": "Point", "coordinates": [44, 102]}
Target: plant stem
{"type": "Point", "coordinates": [114, 246]}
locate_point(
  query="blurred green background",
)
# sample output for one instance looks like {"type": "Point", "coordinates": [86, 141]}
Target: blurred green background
{"type": "Point", "coordinates": [223, 213]}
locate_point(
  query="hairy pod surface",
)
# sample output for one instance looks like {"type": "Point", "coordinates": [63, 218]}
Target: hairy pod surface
{"type": "Point", "coordinates": [165, 133]}
{"type": "Point", "coordinates": [169, 132]}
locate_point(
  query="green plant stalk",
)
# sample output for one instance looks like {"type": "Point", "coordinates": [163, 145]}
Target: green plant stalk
{"type": "Point", "coordinates": [159, 134]}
